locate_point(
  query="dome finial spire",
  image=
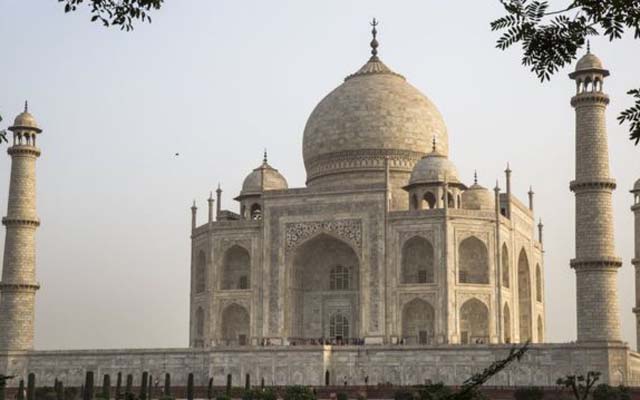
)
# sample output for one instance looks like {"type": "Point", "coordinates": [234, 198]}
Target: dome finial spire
{"type": "Point", "coordinates": [26, 106]}
{"type": "Point", "coordinates": [374, 41]}
{"type": "Point", "coordinates": [264, 156]}
{"type": "Point", "coordinates": [588, 47]}
{"type": "Point", "coordinates": [475, 177]}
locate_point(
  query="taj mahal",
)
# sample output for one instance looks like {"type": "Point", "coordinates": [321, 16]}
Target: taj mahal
{"type": "Point", "coordinates": [387, 266]}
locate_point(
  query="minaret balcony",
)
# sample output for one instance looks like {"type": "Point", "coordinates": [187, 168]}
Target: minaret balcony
{"type": "Point", "coordinates": [596, 184]}
{"type": "Point", "coordinates": [24, 149]}
{"type": "Point", "coordinates": [8, 221]}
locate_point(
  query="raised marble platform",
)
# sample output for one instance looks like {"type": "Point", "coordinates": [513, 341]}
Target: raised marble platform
{"type": "Point", "coordinates": [307, 365]}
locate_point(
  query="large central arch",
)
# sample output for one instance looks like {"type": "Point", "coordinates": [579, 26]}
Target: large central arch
{"type": "Point", "coordinates": [324, 286]}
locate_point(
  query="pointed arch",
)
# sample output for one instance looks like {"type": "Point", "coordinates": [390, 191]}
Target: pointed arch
{"type": "Point", "coordinates": [256, 212]}
{"type": "Point", "coordinates": [417, 265]}
{"type": "Point", "coordinates": [235, 325]}
{"type": "Point", "coordinates": [538, 283]}
{"type": "Point", "coordinates": [473, 261]}
{"type": "Point", "coordinates": [339, 326]}
{"type": "Point", "coordinates": [236, 272]}
{"type": "Point", "coordinates": [540, 327]}
{"type": "Point", "coordinates": [506, 327]}
{"type": "Point", "coordinates": [324, 279]}
{"type": "Point", "coordinates": [506, 268]}
{"type": "Point", "coordinates": [524, 297]}
{"type": "Point", "coordinates": [430, 199]}
{"type": "Point", "coordinates": [474, 322]}
{"type": "Point", "coordinates": [200, 273]}
{"type": "Point", "coordinates": [199, 322]}
{"type": "Point", "coordinates": [418, 320]}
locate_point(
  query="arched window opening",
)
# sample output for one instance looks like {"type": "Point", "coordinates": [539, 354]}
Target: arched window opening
{"type": "Point", "coordinates": [256, 212]}
{"type": "Point", "coordinates": [505, 266]}
{"type": "Point", "coordinates": [540, 330]}
{"type": "Point", "coordinates": [538, 284]}
{"type": "Point", "coordinates": [474, 322]}
{"type": "Point", "coordinates": [473, 261]}
{"type": "Point", "coordinates": [430, 198]}
{"type": "Point", "coordinates": [507, 323]}
{"type": "Point", "coordinates": [237, 269]}
{"type": "Point", "coordinates": [340, 278]}
{"type": "Point", "coordinates": [418, 318]}
{"type": "Point", "coordinates": [199, 278]}
{"type": "Point", "coordinates": [199, 322]}
{"type": "Point", "coordinates": [524, 297]}
{"type": "Point", "coordinates": [417, 261]}
{"type": "Point", "coordinates": [339, 326]}
{"type": "Point", "coordinates": [235, 325]}
{"type": "Point", "coordinates": [450, 200]}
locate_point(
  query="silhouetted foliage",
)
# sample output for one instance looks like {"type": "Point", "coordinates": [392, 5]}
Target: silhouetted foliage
{"type": "Point", "coordinates": [550, 39]}
{"type": "Point", "coordinates": [437, 391]}
{"type": "Point", "coordinates": [3, 378]}
{"type": "Point", "coordinates": [606, 392]}
{"type": "Point", "coordinates": [298, 393]}
{"type": "Point", "coordinates": [3, 138]}
{"type": "Point", "coordinates": [122, 13]}
{"type": "Point", "coordinates": [579, 385]}
{"type": "Point", "coordinates": [528, 393]}
{"type": "Point", "coordinates": [46, 393]}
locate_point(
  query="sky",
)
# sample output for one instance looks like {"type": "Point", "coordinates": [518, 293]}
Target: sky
{"type": "Point", "coordinates": [218, 81]}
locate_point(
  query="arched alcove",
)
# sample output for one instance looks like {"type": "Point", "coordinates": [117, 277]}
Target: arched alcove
{"type": "Point", "coordinates": [324, 282]}
{"type": "Point", "coordinates": [417, 265]}
{"type": "Point", "coordinates": [430, 199]}
{"type": "Point", "coordinates": [538, 283]}
{"type": "Point", "coordinates": [473, 261]}
{"type": "Point", "coordinates": [200, 273]}
{"type": "Point", "coordinates": [418, 320]}
{"type": "Point", "coordinates": [256, 212]}
{"type": "Point", "coordinates": [506, 315]}
{"type": "Point", "coordinates": [474, 322]}
{"type": "Point", "coordinates": [235, 325]}
{"type": "Point", "coordinates": [339, 326]}
{"type": "Point", "coordinates": [506, 268]}
{"type": "Point", "coordinates": [540, 328]}
{"type": "Point", "coordinates": [524, 296]}
{"type": "Point", "coordinates": [236, 273]}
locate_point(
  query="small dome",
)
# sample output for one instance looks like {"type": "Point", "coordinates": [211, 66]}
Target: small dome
{"type": "Point", "coordinates": [636, 186]}
{"type": "Point", "coordinates": [478, 198]}
{"type": "Point", "coordinates": [24, 120]}
{"type": "Point", "coordinates": [262, 179]}
{"type": "Point", "coordinates": [589, 61]}
{"type": "Point", "coordinates": [433, 168]}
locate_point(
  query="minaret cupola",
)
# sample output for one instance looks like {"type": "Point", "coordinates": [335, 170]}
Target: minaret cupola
{"type": "Point", "coordinates": [427, 181]}
{"type": "Point", "coordinates": [262, 179]}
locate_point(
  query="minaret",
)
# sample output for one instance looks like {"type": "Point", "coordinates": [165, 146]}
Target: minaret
{"type": "Point", "coordinates": [596, 264]}
{"type": "Point", "coordinates": [18, 286]}
{"type": "Point", "coordinates": [636, 255]}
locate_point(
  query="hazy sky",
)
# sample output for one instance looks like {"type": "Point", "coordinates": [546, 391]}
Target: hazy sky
{"type": "Point", "coordinates": [218, 81]}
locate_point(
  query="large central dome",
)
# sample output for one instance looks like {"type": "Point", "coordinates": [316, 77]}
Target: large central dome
{"type": "Point", "coordinates": [374, 114]}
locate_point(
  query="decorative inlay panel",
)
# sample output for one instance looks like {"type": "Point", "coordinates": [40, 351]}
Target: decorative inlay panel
{"type": "Point", "coordinates": [349, 230]}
